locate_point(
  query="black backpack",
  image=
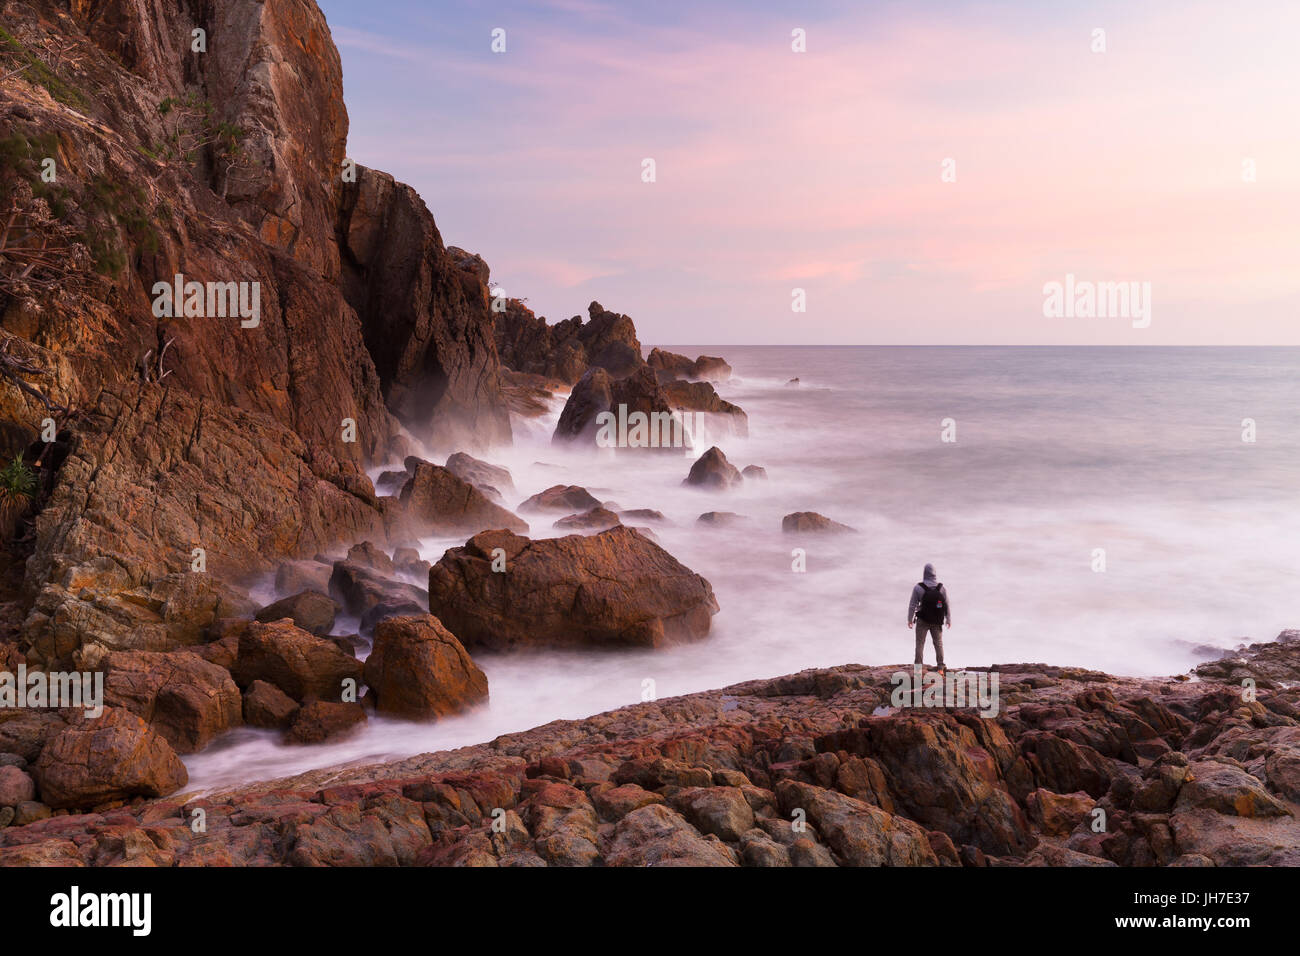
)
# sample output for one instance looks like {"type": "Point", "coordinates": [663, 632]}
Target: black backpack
{"type": "Point", "coordinates": [931, 610]}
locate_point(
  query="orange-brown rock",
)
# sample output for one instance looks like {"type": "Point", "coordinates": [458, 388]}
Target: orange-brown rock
{"type": "Point", "coordinates": [712, 472]}
{"type": "Point", "coordinates": [304, 666]}
{"type": "Point", "coordinates": [610, 589]}
{"type": "Point", "coordinates": [419, 670]}
{"type": "Point", "coordinates": [599, 392]}
{"type": "Point", "coordinates": [561, 498]}
{"type": "Point", "coordinates": [178, 694]}
{"type": "Point", "coordinates": [115, 756]}
{"type": "Point", "coordinates": [434, 500]}
{"type": "Point", "coordinates": [567, 349]}
{"type": "Point", "coordinates": [319, 720]}
{"type": "Point", "coordinates": [810, 522]}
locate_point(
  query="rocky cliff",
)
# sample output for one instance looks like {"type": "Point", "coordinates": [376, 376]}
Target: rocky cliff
{"type": "Point", "coordinates": [139, 142]}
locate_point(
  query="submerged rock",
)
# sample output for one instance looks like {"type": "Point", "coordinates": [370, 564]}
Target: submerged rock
{"type": "Point", "coordinates": [597, 519]}
{"type": "Point", "coordinates": [811, 522]}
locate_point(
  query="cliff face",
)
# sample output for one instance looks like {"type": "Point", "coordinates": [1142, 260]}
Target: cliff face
{"type": "Point", "coordinates": [241, 436]}
{"type": "Point", "coordinates": [425, 312]}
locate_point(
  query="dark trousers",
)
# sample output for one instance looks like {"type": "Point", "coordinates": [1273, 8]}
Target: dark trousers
{"type": "Point", "coordinates": [936, 634]}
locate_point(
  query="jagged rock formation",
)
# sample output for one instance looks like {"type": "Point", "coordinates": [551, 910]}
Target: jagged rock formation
{"type": "Point", "coordinates": [240, 435]}
{"type": "Point", "coordinates": [567, 349]}
{"type": "Point", "coordinates": [671, 366]}
{"type": "Point", "coordinates": [598, 392]}
{"type": "Point", "coordinates": [1186, 774]}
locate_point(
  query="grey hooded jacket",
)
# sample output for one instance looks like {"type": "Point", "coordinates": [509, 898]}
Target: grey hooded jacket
{"type": "Point", "coordinates": [918, 592]}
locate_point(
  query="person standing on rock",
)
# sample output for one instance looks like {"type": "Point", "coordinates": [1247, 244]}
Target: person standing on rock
{"type": "Point", "coordinates": [928, 611]}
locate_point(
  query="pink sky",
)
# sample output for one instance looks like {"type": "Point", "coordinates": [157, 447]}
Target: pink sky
{"type": "Point", "coordinates": [821, 170]}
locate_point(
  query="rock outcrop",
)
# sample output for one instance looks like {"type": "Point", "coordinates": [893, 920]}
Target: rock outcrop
{"type": "Point", "coordinates": [705, 368]}
{"type": "Point", "coordinates": [639, 392]}
{"type": "Point", "coordinates": [210, 438]}
{"type": "Point", "coordinates": [566, 350]}
{"type": "Point", "coordinates": [818, 768]}
{"type": "Point", "coordinates": [425, 314]}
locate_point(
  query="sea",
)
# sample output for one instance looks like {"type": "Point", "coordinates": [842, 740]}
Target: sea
{"type": "Point", "coordinates": [1135, 510]}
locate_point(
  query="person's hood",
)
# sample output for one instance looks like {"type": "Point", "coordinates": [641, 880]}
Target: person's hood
{"type": "Point", "coordinates": [929, 577]}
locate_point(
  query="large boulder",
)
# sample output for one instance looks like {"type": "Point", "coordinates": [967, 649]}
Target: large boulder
{"type": "Point", "coordinates": [810, 522]}
{"type": "Point", "coordinates": [310, 610]}
{"type": "Point", "coordinates": [419, 670]}
{"type": "Point", "coordinates": [293, 577]}
{"type": "Point", "coordinates": [320, 720]}
{"type": "Point", "coordinates": [711, 368]}
{"type": "Point", "coordinates": [613, 589]}
{"type": "Point", "coordinates": [372, 596]}
{"type": "Point", "coordinates": [368, 555]}
{"type": "Point", "coordinates": [115, 756]}
{"type": "Point", "coordinates": [434, 500]}
{"type": "Point", "coordinates": [16, 787]}
{"type": "Point", "coordinates": [713, 472]}
{"type": "Point", "coordinates": [265, 705]}
{"type": "Point", "coordinates": [637, 394]}
{"type": "Point", "coordinates": [597, 519]}
{"type": "Point", "coordinates": [301, 664]}
{"type": "Point", "coordinates": [569, 498]}
{"type": "Point", "coordinates": [180, 695]}
{"type": "Point", "coordinates": [493, 480]}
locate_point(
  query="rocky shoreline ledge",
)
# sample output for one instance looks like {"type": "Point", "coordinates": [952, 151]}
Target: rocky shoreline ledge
{"type": "Point", "coordinates": [1078, 768]}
